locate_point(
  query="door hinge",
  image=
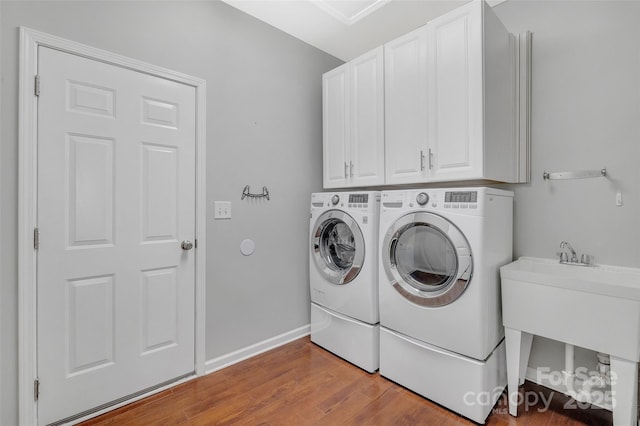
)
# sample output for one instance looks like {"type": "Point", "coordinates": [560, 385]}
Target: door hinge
{"type": "Point", "coordinates": [36, 238]}
{"type": "Point", "coordinates": [36, 86]}
{"type": "Point", "coordinates": [36, 389]}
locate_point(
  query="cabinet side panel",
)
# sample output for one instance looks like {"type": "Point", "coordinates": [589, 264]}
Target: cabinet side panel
{"type": "Point", "coordinates": [499, 100]}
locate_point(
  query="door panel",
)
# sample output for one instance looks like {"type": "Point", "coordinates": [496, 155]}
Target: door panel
{"type": "Point", "coordinates": [159, 289]}
{"type": "Point", "coordinates": [91, 190]}
{"type": "Point", "coordinates": [116, 195]}
{"type": "Point", "coordinates": [159, 197]}
{"type": "Point", "coordinates": [89, 328]}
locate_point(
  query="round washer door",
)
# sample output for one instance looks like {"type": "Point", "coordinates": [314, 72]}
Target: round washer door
{"type": "Point", "coordinates": [427, 259]}
{"type": "Point", "coordinates": [337, 247]}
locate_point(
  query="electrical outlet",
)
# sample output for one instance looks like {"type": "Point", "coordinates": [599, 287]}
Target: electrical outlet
{"type": "Point", "coordinates": [222, 210]}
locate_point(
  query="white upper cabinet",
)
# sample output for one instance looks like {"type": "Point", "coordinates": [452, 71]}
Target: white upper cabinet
{"type": "Point", "coordinates": [406, 107]}
{"type": "Point", "coordinates": [444, 109]}
{"type": "Point", "coordinates": [353, 123]}
{"type": "Point", "coordinates": [335, 130]}
{"type": "Point", "coordinates": [367, 119]}
{"type": "Point", "coordinates": [454, 75]}
{"type": "Point", "coordinates": [450, 99]}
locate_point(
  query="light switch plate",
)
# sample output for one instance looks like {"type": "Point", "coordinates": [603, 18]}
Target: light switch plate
{"type": "Point", "coordinates": [222, 210]}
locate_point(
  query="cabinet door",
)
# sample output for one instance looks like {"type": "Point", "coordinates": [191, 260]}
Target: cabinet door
{"type": "Point", "coordinates": [406, 107]}
{"type": "Point", "coordinates": [335, 131]}
{"type": "Point", "coordinates": [366, 125]}
{"type": "Point", "coordinates": [455, 94]}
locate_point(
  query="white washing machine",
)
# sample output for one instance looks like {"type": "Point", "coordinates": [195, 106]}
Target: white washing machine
{"type": "Point", "coordinates": [343, 271]}
{"type": "Point", "coordinates": [441, 328]}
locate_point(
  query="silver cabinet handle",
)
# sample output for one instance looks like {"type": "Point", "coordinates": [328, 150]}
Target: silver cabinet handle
{"type": "Point", "coordinates": [430, 159]}
{"type": "Point", "coordinates": [346, 169]}
{"type": "Point", "coordinates": [351, 168]}
{"type": "Point", "coordinates": [186, 245]}
{"type": "Point", "coordinates": [421, 160]}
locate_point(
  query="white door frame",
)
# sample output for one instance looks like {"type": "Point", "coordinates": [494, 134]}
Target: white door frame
{"type": "Point", "coordinates": [1, 258]}
{"type": "Point", "coordinates": [30, 40]}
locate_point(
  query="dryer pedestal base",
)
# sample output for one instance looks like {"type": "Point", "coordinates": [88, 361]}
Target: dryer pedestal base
{"type": "Point", "coordinates": [355, 341]}
{"type": "Point", "coordinates": [464, 385]}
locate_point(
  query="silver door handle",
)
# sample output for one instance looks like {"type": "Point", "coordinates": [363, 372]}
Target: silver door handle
{"type": "Point", "coordinates": [186, 245]}
{"type": "Point", "coordinates": [351, 168]}
{"type": "Point", "coordinates": [430, 159]}
{"type": "Point", "coordinates": [346, 170]}
{"type": "Point", "coordinates": [421, 160]}
{"type": "Point", "coordinates": [392, 252]}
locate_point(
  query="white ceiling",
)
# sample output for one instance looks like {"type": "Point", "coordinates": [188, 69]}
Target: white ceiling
{"type": "Point", "coordinates": [346, 28]}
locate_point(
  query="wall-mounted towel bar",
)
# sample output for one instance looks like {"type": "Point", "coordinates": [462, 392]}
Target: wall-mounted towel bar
{"type": "Point", "coordinates": [581, 174]}
{"type": "Point", "coordinates": [246, 192]}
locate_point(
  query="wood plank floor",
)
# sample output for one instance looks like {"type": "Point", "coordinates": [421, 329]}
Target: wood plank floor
{"type": "Point", "coordinates": [302, 384]}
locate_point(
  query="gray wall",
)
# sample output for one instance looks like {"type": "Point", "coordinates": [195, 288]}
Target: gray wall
{"type": "Point", "coordinates": [585, 115]}
{"type": "Point", "coordinates": [263, 128]}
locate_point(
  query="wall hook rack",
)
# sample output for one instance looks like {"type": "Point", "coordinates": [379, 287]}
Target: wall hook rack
{"type": "Point", "coordinates": [246, 192]}
{"type": "Point", "coordinates": [581, 174]}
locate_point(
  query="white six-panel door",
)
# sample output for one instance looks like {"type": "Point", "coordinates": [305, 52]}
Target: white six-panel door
{"type": "Point", "coordinates": [116, 198]}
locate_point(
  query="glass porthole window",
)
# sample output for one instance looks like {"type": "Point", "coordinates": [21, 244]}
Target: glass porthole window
{"type": "Point", "coordinates": [427, 259]}
{"type": "Point", "coordinates": [337, 247]}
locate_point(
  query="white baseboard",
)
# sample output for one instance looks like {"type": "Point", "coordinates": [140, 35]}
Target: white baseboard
{"type": "Point", "coordinates": [226, 360]}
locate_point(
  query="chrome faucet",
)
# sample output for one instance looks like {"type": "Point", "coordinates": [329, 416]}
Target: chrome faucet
{"type": "Point", "coordinates": [585, 259]}
{"type": "Point", "coordinates": [574, 255]}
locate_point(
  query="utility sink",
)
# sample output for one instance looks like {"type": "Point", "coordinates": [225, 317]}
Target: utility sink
{"type": "Point", "coordinates": [606, 280]}
{"type": "Point", "coordinates": [595, 307]}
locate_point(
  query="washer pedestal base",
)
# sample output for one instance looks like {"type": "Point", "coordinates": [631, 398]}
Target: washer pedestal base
{"type": "Point", "coordinates": [355, 341]}
{"type": "Point", "coordinates": [464, 385]}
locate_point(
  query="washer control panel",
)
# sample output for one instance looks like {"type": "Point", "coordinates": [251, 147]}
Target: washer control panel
{"type": "Point", "coordinates": [422, 198]}
{"type": "Point", "coordinates": [358, 200]}
{"type": "Point", "coordinates": [461, 199]}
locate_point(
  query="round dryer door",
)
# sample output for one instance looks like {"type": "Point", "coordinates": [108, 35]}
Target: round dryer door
{"type": "Point", "coordinates": [337, 247]}
{"type": "Point", "coordinates": [427, 259]}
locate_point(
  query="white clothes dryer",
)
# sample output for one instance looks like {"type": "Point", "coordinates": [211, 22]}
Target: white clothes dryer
{"type": "Point", "coordinates": [440, 314]}
{"type": "Point", "coordinates": [343, 272]}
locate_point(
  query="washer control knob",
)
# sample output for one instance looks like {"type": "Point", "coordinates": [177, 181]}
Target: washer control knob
{"type": "Point", "coordinates": [335, 199]}
{"type": "Point", "coordinates": [422, 198]}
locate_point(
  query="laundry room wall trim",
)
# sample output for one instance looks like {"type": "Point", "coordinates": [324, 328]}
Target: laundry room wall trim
{"type": "Point", "coordinates": [256, 349]}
